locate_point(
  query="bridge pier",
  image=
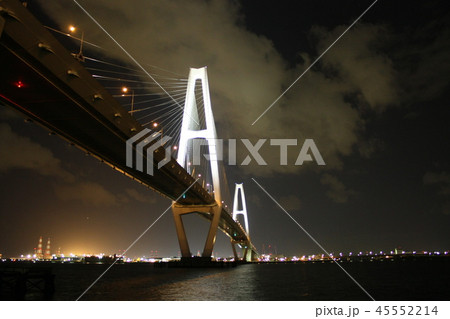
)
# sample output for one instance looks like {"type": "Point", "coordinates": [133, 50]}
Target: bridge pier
{"type": "Point", "coordinates": [247, 255]}
{"type": "Point", "coordinates": [212, 212]}
{"type": "Point", "coordinates": [212, 233]}
{"type": "Point", "coordinates": [181, 233]}
{"type": "Point", "coordinates": [233, 243]}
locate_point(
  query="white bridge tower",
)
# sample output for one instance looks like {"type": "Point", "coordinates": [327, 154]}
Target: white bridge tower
{"type": "Point", "coordinates": [239, 189]}
{"type": "Point", "coordinates": [239, 194]}
{"type": "Point", "coordinates": [190, 127]}
{"type": "Point", "coordinates": [190, 130]}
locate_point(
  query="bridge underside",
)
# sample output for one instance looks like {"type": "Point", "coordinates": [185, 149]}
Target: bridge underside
{"type": "Point", "coordinates": [214, 214]}
{"type": "Point", "coordinates": [57, 92]}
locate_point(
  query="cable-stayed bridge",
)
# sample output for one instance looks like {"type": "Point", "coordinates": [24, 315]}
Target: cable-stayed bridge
{"type": "Point", "coordinates": [42, 79]}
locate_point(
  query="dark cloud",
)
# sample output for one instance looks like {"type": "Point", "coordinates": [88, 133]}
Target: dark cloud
{"type": "Point", "coordinates": [442, 179]}
{"type": "Point", "coordinates": [422, 58]}
{"type": "Point", "coordinates": [368, 147]}
{"type": "Point", "coordinates": [360, 64]}
{"type": "Point", "coordinates": [89, 193]}
{"type": "Point", "coordinates": [18, 152]}
{"type": "Point", "coordinates": [95, 194]}
{"type": "Point", "coordinates": [135, 195]}
{"type": "Point", "coordinates": [337, 191]}
{"type": "Point", "coordinates": [290, 203]}
{"type": "Point", "coordinates": [7, 114]}
{"type": "Point", "coordinates": [247, 73]}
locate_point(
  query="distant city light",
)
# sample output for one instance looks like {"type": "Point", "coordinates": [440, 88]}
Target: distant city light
{"type": "Point", "coordinates": [72, 28]}
{"type": "Point", "coordinates": [77, 257]}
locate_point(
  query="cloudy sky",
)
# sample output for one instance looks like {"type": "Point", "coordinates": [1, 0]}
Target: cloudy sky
{"type": "Point", "coordinates": [376, 105]}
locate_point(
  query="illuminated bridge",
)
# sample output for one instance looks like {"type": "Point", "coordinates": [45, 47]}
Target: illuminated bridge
{"type": "Point", "coordinates": [40, 78]}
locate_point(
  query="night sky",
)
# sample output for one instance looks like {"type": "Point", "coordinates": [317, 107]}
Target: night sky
{"type": "Point", "coordinates": [376, 106]}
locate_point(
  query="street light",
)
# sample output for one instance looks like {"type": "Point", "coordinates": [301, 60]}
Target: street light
{"type": "Point", "coordinates": [155, 125]}
{"type": "Point", "coordinates": [125, 90]}
{"type": "Point", "coordinates": [79, 56]}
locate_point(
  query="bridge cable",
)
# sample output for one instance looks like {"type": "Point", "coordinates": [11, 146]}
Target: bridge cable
{"type": "Point", "coordinates": [125, 51]}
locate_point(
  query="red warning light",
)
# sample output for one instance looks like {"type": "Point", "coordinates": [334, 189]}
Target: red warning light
{"type": "Point", "coordinates": [19, 84]}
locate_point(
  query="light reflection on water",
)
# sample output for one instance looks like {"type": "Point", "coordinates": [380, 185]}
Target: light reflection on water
{"type": "Point", "coordinates": [384, 281]}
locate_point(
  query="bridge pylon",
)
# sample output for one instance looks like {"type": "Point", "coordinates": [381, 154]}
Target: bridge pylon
{"type": "Point", "coordinates": [239, 197]}
{"type": "Point", "coordinates": [239, 189]}
{"type": "Point", "coordinates": [191, 129]}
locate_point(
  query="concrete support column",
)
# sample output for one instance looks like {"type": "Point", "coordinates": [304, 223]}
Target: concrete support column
{"type": "Point", "coordinates": [233, 246]}
{"type": "Point", "coordinates": [181, 233]}
{"type": "Point", "coordinates": [212, 233]}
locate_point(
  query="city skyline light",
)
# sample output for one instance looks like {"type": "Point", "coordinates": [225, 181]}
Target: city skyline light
{"type": "Point", "coordinates": [375, 105]}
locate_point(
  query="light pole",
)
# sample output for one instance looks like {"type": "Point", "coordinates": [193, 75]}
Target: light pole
{"type": "Point", "coordinates": [125, 90]}
{"type": "Point", "coordinates": [79, 56]}
{"type": "Point", "coordinates": [155, 125]}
